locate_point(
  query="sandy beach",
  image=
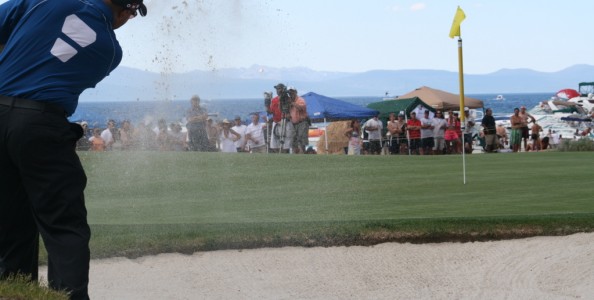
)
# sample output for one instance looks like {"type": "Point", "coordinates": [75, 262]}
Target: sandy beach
{"type": "Point", "coordinates": [532, 268]}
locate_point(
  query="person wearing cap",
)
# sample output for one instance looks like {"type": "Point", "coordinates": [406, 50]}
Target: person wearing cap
{"type": "Point", "coordinates": [427, 142]}
{"type": "Point", "coordinates": [439, 127]}
{"type": "Point", "coordinates": [52, 52]}
{"type": "Point", "coordinates": [240, 128]}
{"type": "Point", "coordinates": [374, 128]}
{"type": "Point", "coordinates": [196, 124]}
{"type": "Point", "coordinates": [300, 122]}
{"type": "Point", "coordinates": [83, 143]}
{"type": "Point", "coordinates": [228, 137]}
{"type": "Point", "coordinates": [282, 129]}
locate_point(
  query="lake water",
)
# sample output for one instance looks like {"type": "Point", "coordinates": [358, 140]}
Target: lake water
{"type": "Point", "coordinates": [98, 113]}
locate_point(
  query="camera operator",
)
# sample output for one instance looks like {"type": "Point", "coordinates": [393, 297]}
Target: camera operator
{"type": "Point", "coordinates": [300, 121]}
{"type": "Point", "coordinates": [282, 129]}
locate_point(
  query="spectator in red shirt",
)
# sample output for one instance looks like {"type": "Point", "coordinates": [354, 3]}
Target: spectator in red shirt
{"type": "Point", "coordinates": [413, 125]}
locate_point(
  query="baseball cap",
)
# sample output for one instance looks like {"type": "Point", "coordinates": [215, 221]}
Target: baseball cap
{"type": "Point", "coordinates": [291, 88]}
{"type": "Point", "coordinates": [132, 4]}
{"type": "Point", "coordinates": [466, 108]}
{"type": "Point", "coordinates": [279, 86]}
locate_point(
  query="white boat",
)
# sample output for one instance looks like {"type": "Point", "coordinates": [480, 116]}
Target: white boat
{"type": "Point", "coordinates": [569, 118]}
{"type": "Point", "coordinates": [387, 97]}
{"type": "Point", "coordinates": [585, 100]}
{"type": "Point", "coordinates": [500, 97]}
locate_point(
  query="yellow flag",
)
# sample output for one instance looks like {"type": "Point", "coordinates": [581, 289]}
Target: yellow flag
{"type": "Point", "coordinates": [458, 18]}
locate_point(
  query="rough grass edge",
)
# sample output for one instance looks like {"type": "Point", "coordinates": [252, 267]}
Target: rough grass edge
{"type": "Point", "coordinates": [188, 239]}
{"type": "Point", "coordinates": [20, 287]}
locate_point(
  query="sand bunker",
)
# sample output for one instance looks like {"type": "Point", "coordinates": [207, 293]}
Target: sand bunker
{"type": "Point", "coordinates": [533, 268]}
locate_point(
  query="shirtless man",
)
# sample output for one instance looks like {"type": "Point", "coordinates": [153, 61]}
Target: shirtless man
{"type": "Point", "coordinates": [516, 128]}
{"type": "Point", "coordinates": [524, 115]}
{"type": "Point", "coordinates": [394, 131]}
{"type": "Point", "coordinates": [535, 135]}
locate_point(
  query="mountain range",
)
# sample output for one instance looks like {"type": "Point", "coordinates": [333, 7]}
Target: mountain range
{"type": "Point", "coordinates": [129, 84]}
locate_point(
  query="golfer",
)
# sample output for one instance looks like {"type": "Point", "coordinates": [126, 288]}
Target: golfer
{"type": "Point", "coordinates": [52, 50]}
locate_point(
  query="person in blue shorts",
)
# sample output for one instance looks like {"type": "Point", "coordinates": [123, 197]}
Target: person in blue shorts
{"type": "Point", "coordinates": [51, 51]}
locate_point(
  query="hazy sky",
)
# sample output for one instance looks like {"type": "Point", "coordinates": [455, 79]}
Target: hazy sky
{"type": "Point", "coordinates": [355, 36]}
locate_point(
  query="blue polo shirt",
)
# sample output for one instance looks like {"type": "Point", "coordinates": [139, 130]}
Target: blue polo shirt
{"type": "Point", "coordinates": [55, 49]}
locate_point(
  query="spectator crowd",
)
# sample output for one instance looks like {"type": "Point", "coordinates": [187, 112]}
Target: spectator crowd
{"type": "Point", "coordinates": [286, 131]}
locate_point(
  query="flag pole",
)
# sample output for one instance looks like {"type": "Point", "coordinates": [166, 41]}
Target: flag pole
{"type": "Point", "coordinates": [462, 114]}
{"type": "Point", "coordinates": [455, 31]}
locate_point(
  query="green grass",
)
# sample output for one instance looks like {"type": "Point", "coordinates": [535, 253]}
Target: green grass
{"type": "Point", "coordinates": [142, 203]}
{"type": "Point", "coordinates": [20, 287]}
{"type": "Point", "coordinates": [152, 202]}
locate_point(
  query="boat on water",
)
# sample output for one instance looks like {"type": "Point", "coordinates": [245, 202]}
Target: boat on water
{"type": "Point", "coordinates": [585, 99]}
{"type": "Point", "coordinates": [387, 97]}
{"type": "Point", "coordinates": [500, 97]}
{"type": "Point", "coordinates": [568, 113]}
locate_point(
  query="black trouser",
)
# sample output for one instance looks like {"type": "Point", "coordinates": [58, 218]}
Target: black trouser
{"type": "Point", "coordinates": [41, 192]}
{"type": "Point", "coordinates": [394, 145]}
{"type": "Point", "coordinates": [375, 147]}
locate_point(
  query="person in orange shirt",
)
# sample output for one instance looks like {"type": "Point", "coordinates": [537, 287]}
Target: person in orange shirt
{"type": "Point", "coordinates": [300, 121]}
{"type": "Point", "coordinates": [97, 143]}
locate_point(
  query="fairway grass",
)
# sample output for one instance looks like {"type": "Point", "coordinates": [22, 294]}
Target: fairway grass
{"type": "Point", "coordinates": [143, 203]}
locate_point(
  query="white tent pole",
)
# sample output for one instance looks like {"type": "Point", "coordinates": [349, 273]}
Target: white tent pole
{"type": "Point", "coordinates": [326, 134]}
{"type": "Point", "coordinates": [407, 136]}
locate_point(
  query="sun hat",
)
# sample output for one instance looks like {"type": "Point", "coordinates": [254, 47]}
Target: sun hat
{"type": "Point", "coordinates": [225, 121]}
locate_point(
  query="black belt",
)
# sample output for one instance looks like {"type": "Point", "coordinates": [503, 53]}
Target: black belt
{"type": "Point", "coordinates": [30, 104]}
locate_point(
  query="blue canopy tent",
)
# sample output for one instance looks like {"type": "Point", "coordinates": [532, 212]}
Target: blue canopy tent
{"type": "Point", "coordinates": [325, 109]}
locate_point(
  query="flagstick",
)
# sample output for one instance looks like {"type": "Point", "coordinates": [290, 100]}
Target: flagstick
{"type": "Point", "coordinates": [463, 117]}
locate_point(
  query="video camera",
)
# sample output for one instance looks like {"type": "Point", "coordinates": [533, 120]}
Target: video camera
{"type": "Point", "coordinates": [267, 100]}
{"type": "Point", "coordinates": [285, 100]}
